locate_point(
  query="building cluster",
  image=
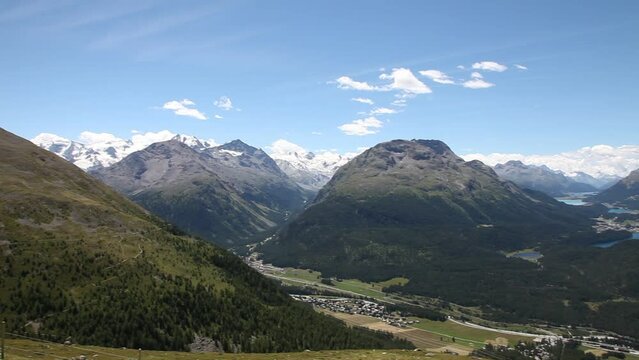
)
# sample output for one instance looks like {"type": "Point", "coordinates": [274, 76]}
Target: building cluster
{"type": "Point", "coordinates": [356, 307]}
{"type": "Point", "coordinates": [604, 224]}
{"type": "Point", "coordinates": [260, 266]}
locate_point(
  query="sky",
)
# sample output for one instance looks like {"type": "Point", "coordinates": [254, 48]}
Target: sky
{"type": "Point", "coordinates": [514, 77]}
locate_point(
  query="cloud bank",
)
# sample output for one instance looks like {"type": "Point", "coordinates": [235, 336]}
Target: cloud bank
{"type": "Point", "coordinates": [597, 160]}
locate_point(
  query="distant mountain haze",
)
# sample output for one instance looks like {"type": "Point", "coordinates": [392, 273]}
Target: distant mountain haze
{"type": "Point", "coordinates": [541, 178]}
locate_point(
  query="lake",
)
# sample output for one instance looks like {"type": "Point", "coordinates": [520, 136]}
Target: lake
{"type": "Point", "coordinates": [530, 255]}
{"type": "Point", "coordinates": [575, 199]}
{"type": "Point", "coordinates": [621, 211]}
{"type": "Point", "coordinates": [608, 244]}
{"type": "Point", "coordinates": [574, 202]}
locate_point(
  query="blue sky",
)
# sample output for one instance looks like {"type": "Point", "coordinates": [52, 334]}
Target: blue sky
{"type": "Point", "coordinates": [118, 66]}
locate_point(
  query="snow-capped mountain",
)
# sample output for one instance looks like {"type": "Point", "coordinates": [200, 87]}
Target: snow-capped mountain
{"type": "Point", "coordinates": [310, 170]}
{"type": "Point", "coordinates": [95, 150]}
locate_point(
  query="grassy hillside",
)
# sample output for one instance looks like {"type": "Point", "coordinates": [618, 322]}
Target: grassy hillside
{"type": "Point", "coordinates": [79, 260]}
{"type": "Point", "coordinates": [25, 349]}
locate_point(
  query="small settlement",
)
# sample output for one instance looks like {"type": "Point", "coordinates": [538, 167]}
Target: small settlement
{"type": "Point", "coordinates": [356, 307]}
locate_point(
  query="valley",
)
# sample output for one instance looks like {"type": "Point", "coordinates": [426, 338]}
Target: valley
{"type": "Point", "coordinates": [319, 180]}
{"type": "Point", "coordinates": [342, 298]}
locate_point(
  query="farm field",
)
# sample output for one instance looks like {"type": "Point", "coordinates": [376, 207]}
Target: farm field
{"type": "Point", "coordinates": [422, 339]}
{"type": "Point", "coordinates": [449, 329]}
{"type": "Point", "coordinates": [311, 277]}
{"type": "Point", "coordinates": [27, 349]}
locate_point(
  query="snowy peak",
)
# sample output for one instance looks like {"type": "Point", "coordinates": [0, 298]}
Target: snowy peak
{"type": "Point", "coordinates": [46, 139]}
{"type": "Point", "coordinates": [97, 150]}
{"type": "Point", "coordinates": [310, 170]}
{"type": "Point", "coordinates": [194, 142]}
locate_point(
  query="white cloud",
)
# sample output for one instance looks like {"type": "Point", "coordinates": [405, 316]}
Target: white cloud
{"type": "Point", "coordinates": [476, 75]}
{"type": "Point", "coordinates": [181, 107]}
{"type": "Point", "coordinates": [141, 140]}
{"type": "Point", "coordinates": [437, 76]}
{"type": "Point", "coordinates": [477, 84]}
{"type": "Point", "coordinates": [316, 133]}
{"type": "Point", "coordinates": [399, 102]}
{"type": "Point", "coordinates": [461, 67]}
{"type": "Point", "coordinates": [283, 147]}
{"type": "Point", "coordinates": [521, 67]}
{"type": "Point", "coordinates": [597, 160]}
{"type": "Point", "coordinates": [91, 138]}
{"type": "Point", "coordinates": [404, 80]}
{"type": "Point", "coordinates": [363, 100]}
{"type": "Point", "coordinates": [218, 116]}
{"type": "Point", "coordinates": [360, 127]}
{"type": "Point", "coordinates": [490, 66]}
{"type": "Point", "coordinates": [383, 111]}
{"type": "Point", "coordinates": [224, 103]}
{"type": "Point", "coordinates": [345, 82]}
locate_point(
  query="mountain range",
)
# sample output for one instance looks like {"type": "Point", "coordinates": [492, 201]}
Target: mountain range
{"type": "Point", "coordinates": [414, 209]}
{"type": "Point", "coordinates": [226, 194]}
{"type": "Point", "coordinates": [310, 170]}
{"type": "Point", "coordinates": [541, 178]}
{"type": "Point", "coordinates": [81, 261]}
{"type": "Point", "coordinates": [104, 152]}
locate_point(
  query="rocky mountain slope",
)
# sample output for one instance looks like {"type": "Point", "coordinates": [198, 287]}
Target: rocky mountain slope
{"type": "Point", "coordinates": [540, 178]}
{"type": "Point", "coordinates": [79, 260]}
{"type": "Point", "coordinates": [624, 193]}
{"type": "Point", "coordinates": [225, 194]}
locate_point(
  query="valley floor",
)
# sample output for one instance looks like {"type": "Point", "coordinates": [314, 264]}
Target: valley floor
{"type": "Point", "coordinates": [27, 349]}
{"type": "Point", "coordinates": [432, 336]}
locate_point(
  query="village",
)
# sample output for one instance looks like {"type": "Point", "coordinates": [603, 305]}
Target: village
{"type": "Point", "coordinates": [356, 307]}
{"type": "Point", "coordinates": [604, 224]}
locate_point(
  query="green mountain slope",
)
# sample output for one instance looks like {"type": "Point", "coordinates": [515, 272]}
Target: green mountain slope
{"type": "Point", "coordinates": [77, 259]}
{"type": "Point", "coordinates": [415, 209]}
{"type": "Point", "coordinates": [225, 194]}
{"type": "Point", "coordinates": [625, 192]}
